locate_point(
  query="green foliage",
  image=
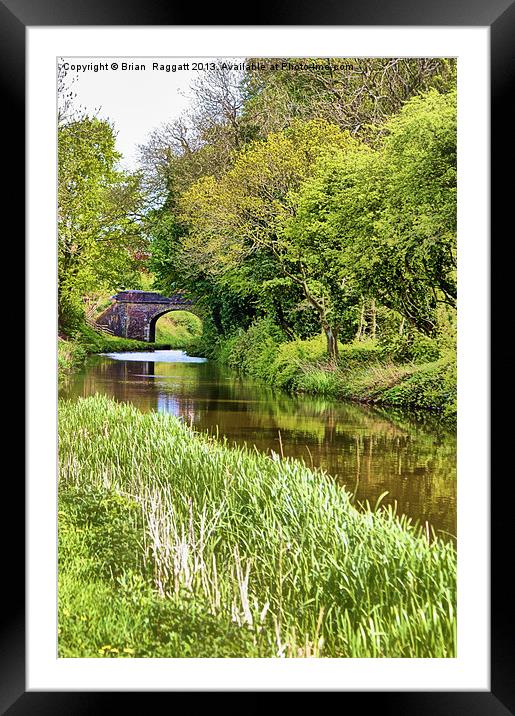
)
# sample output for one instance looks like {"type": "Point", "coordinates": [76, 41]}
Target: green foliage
{"type": "Point", "coordinates": [253, 350]}
{"type": "Point", "coordinates": [311, 225]}
{"type": "Point", "coordinates": [84, 340]}
{"type": "Point", "coordinates": [292, 357]}
{"type": "Point", "coordinates": [235, 234]}
{"type": "Point", "coordinates": [333, 220]}
{"type": "Point", "coordinates": [108, 607]}
{"type": "Point", "coordinates": [415, 256]}
{"type": "Point", "coordinates": [313, 198]}
{"type": "Point", "coordinates": [356, 93]}
{"type": "Point", "coordinates": [179, 329]}
{"type": "Point", "coordinates": [382, 223]}
{"type": "Point", "coordinates": [70, 354]}
{"type": "Point", "coordinates": [359, 353]}
{"type": "Point", "coordinates": [99, 234]}
{"type": "Point", "coordinates": [411, 346]}
{"type": "Point", "coordinates": [410, 374]}
{"type": "Point", "coordinates": [174, 545]}
{"type": "Point", "coordinates": [318, 381]}
{"type": "Point", "coordinates": [206, 345]}
{"type": "Point", "coordinates": [432, 386]}
{"type": "Point", "coordinates": [310, 218]}
{"type": "Point", "coordinates": [262, 352]}
{"type": "Point", "coordinates": [167, 261]}
{"type": "Point", "coordinates": [112, 522]}
{"type": "Point", "coordinates": [93, 341]}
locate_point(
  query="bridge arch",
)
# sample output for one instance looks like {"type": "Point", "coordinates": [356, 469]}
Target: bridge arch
{"type": "Point", "coordinates": [134, 314]}
{"type": "Point", "coordinates": [155, 318]}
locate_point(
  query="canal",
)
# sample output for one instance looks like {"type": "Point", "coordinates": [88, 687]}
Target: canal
{"type": "Point", "coordinates": [367, 449]}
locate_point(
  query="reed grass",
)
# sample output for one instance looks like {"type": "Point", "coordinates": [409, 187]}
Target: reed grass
{"type": "Point", "coordinates": [173, 544]}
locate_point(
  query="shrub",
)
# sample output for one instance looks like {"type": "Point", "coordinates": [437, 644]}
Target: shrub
{"type": "Point", "coordinates": [359, 353]}
{"type": "Point", "coordinates": [252, 351]}
{"type": "Point", "coordinates": [70, 354]}
{"type": "Point", "coordinates": [367, 371]}
{"type": "Point", "coordinates": [290, 359]}
{"type": "Point", "coordinates": [432, 386]}
{"type": "Point", "coordinates": [412, 346]}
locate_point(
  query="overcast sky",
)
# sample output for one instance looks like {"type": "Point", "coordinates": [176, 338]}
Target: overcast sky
{"type": "Point", "coordinates": [135, 100]}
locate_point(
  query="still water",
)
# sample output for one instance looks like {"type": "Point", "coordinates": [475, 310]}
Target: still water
{"type": "Point", "coordinates": [370, 450]}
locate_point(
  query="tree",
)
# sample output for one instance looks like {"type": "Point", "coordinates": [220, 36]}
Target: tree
{"type": "Point", "coordinates": [239, 219]}
{"type": "Point", "coordinates": [335, 212]}
{"type": "Point", "coordinates": [99, 227]}
{"type": "Point", "coordinates": [358, 94]}
{"type": "Point", "coordinates": [203, 141]}
{"type": "Point", "coordinates": [303, 194]}
{"type": "Point", "coordinates": [381, 224]}
{"type": "Point", "coordinates": [413, 257]}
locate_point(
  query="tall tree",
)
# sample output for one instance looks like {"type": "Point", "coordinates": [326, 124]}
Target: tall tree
{"type": "Point", "coordinates": [382, 223]}
{"type": "Point", "coordinates": [414, 254]}
{"type": "Point", "coordinates": [99, 226]}
{"type": "Point", "coordinates": [240, 218]}
{"type": "Point", "coordinates": [356, 93]}
{"type": "Point", "coordinates": [203, 140]}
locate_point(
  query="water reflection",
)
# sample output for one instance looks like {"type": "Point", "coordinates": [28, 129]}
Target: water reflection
{"type": "Point", "coordinates": [369, 450]}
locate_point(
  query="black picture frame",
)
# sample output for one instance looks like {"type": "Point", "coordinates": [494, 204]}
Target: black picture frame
{"type": "Point", "coordinates": [499, 16]}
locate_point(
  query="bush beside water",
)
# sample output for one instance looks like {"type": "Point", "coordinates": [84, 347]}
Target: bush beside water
{"type": "Point", "coordinates": [416, 374]}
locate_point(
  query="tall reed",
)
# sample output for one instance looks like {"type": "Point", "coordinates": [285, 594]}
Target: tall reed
{"type": "Point", "coordinates": [260, 542]}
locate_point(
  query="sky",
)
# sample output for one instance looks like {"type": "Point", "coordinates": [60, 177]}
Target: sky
{"type": "Point", "coordinates": [137, 99]}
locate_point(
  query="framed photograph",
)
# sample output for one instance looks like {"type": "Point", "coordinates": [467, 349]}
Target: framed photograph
{"type": "Point", "coordinates": [258, 382]}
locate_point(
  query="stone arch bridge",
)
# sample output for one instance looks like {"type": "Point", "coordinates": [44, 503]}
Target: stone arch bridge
{"type": "Point", "coordinates": [133, 314]}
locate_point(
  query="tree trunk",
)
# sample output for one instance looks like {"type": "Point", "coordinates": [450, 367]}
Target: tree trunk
{"type": "Point", "coordinates": [331, 335]}
{"type": "Point", "coordinates": [361, 321]}
{"type": "Point", "coordinates": [373, 317]}
{"type": "Point", "coordinates": [282, 321]}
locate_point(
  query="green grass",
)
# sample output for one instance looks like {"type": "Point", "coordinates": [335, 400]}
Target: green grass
{"type": "Point", "coordinates": [70, 354]}
{"type": "Point", "coordinates": [171, 544]}
{"type": "Point", "coordinates": [72, 351]}
{"type": "Point", "coordinates": [179, 329]}
{"type": "Point", "coordinates": [98, 342]}
{"type": "Point", "coordinates": [430, 386]}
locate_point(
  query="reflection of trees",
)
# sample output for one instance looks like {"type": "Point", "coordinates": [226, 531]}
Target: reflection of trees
{"type": "Point", "coordinates": [368, 449]}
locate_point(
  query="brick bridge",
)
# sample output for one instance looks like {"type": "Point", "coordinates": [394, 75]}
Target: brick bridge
{"type": "Point", "coordinates": [133, 314]}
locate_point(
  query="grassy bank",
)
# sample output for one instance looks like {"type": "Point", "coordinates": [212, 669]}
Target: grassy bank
{"type": "Point", "coordinates": [365, 372]}
{"type": "Point", "coordinates": [73, 350]}
{"type": "Point", "coordinates": [178, 329]}
{"type": "Point", "coordinates": [173, 545]}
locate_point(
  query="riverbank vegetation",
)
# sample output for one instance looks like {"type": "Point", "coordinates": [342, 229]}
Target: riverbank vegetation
{"type": "Point", "coordinates": [321, 224]}
{"type": "Point", "coordinates": [422, 376]}
{"type": "Point", "coordinates": [172, 545]}
{"type": "Point", "coordinates": [72, 350]}
{"type": "Point", "coordinates": [177, 330]}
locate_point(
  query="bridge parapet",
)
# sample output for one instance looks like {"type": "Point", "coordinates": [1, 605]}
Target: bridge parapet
{"type": "Point", "coordinates": [133, 314]}
{"type": "Point", "coordinates": [150, 297]}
